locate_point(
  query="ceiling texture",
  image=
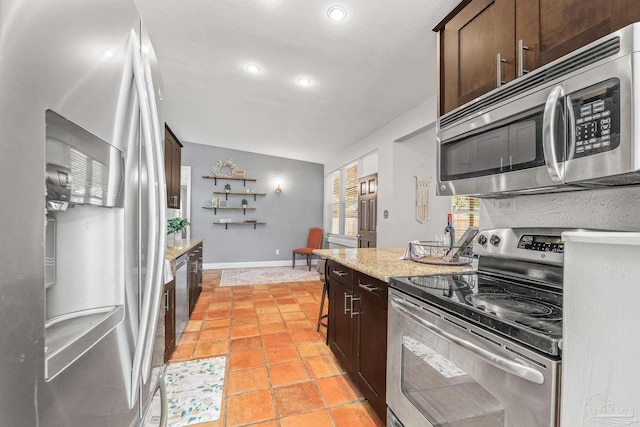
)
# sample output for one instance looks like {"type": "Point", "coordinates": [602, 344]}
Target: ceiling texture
{"type": "Point", "coordinates": [366, 70]}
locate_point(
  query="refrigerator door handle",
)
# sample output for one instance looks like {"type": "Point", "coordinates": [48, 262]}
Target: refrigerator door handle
{"type": "Point", "coordinates": [152, 243]}
{"type": "Point", "coordinates": [160, 188]}
{"type": "Point", "coordinates": [164, 403]}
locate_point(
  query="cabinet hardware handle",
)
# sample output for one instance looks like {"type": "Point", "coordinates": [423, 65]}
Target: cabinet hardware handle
{"type": "Point", "coordinates": [499, 62]}
{"type": "Point", "coordinates": [369, 288]}
{"type": "Point", "coordinates": [340, 273]}
{"type": "Point", "coordinates": [354, 313]}
{"type": "Point", "coordinates": [521, 49]}
{"type": "Point", "coordinates": [345, 302]}
{"type": "Point", "coordinates": [166, 300]}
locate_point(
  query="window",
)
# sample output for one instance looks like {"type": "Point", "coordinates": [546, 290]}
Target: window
{"type": "Point", "coordinates": [466, 213]}
{"type": "Point", "coordinates": [342, 206]}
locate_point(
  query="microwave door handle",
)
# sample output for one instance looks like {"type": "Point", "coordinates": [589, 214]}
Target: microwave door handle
{"type": "Point", "coordinates": [549, 125]}
{"type": "Point", "coordinates": [571, 124]}
{"type": "Point", "coordinates": [500, 362]}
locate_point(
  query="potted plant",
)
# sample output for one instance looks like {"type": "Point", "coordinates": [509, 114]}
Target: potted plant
{"type": "Point", "coordinates": [244, 203]}
{"type": "Point", "coordinates": [175, 227]}
{"type": "Point", "coordinates": [227, 188]}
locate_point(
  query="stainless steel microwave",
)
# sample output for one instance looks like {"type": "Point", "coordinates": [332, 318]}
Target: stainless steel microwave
{"type": "Point", "coordinates": [572, 124]}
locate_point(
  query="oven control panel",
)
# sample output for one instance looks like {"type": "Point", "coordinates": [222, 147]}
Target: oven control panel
{"type": "Point", "coordinates": [596, 112]}
{"type": "Point", "coordinates": [541, 243]}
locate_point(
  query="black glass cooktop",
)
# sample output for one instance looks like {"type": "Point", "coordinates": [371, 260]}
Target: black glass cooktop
{"type": "Point", "coordinates": [530, 313]}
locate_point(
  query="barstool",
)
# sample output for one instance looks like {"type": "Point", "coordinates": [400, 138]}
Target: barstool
{"type": "Point", "coordinates": [325, 288]}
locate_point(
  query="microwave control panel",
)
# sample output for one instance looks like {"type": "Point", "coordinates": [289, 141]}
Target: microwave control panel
{"type": "Point", "coordinates": [596, 111]}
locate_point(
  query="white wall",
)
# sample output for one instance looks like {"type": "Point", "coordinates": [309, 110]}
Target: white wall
{"type": "Point", "coordinates": [398, 162]}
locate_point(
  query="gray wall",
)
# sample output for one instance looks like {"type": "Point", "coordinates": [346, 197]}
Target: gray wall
{"type": "Point", "coordinates": [288, 215]}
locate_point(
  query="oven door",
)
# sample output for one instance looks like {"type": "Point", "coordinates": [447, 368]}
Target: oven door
{"type": "Point", "coordinates": [442, 371]}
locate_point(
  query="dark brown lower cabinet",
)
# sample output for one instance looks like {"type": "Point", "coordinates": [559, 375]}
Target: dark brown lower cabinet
{"type": "Point", "coordinates": [370, 334]}
{"type": "Point", "coordinates": [358, 330]}
{"type": "Point", "coordinates": [169, 301]}
{"type": "Point", "coordinates": [341, 324]}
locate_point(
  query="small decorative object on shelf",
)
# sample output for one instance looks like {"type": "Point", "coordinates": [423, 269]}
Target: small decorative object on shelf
{"type": "Point", "coordinates": [238, 174]}
{"type": "Point", "coordinates": [217, 170]}
{"type": "Point", "coordinates": [227, 188]}
{"type": "Point", "coordinates": [244, 203]}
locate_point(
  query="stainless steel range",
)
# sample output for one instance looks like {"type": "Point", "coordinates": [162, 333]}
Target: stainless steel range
{"type": "Point", "coordinates": [482, 348]}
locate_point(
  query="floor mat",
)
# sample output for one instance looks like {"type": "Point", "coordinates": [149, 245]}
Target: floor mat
{"type": "Point", "coordinates": [194, 393]}
{"type": "Point", "coordinates": [257, 276]}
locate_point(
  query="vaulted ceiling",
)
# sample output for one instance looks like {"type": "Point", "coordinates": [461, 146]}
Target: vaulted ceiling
{"type": "Point", "coordinates": [374, 65]}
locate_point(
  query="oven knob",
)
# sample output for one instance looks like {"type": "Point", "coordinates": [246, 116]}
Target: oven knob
{"type": "Point", "coordinates": [482, 239]}
{"type": "Point", "coordinates": [494, 240]}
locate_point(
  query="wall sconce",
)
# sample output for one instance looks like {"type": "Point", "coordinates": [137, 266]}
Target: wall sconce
{"type": "Point", "coordinates": [278, 189]}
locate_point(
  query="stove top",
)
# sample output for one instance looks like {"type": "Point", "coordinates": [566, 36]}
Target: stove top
{"type": "Point", "coordinates": [527, 311]}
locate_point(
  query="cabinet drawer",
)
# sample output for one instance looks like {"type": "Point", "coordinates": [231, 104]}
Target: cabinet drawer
{"type": "Point", "coordinates": [373, 289]}
{"type": "Point", "coordinates": [340, 273]}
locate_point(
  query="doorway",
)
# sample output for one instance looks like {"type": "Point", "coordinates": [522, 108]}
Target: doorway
{"type": "Point", "coordinates": [367, 211]}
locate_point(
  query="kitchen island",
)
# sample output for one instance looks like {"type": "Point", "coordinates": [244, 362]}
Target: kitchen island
{"type": "Point", "coordinates": [356, 281]}
{"type": "Point", "coordinates": [383, 263]}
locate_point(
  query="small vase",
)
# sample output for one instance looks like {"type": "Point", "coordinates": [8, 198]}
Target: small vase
{"type": "Point", "coordinates": [177, 238]}
{"type": "Point", "coordinates": [244, 206]}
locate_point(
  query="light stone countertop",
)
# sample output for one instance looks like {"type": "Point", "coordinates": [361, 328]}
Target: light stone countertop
{"type": "Point", "coordinates": [184, 246]}
{"type": "Point", "coordinates": [384, 263]}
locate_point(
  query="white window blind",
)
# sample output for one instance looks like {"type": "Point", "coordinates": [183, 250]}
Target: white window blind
{"type": "Point", "coordinates": [466, 213]}
{"type": "Point", "coordinates": [342, 205]}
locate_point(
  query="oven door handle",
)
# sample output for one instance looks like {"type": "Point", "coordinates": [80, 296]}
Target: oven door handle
{"type": "Point", "coordinates": [500, 362]}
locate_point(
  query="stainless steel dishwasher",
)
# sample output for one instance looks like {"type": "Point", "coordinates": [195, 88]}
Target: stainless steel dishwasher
{"type": "Point", "coordinates": [182, 296]}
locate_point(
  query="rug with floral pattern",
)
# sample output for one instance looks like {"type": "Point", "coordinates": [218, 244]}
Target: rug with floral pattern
{"type": "Point", "coordinates": [259, 276]}
{"type": "Point", "coordinates": [194, 393]}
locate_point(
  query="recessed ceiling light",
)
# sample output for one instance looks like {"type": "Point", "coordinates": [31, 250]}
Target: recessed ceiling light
{"type": "Point", "coordinates": [304, 81]}
{"type": "Point", "coordinates": [337, 13]}
{"type": "Point", "coordinates": [108, 54]}
{"type": "Point", "coordinates": [253, 68]}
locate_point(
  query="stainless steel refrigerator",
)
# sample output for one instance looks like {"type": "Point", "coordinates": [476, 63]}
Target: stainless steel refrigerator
{"type": "Point", "coordinates": [83, 197]}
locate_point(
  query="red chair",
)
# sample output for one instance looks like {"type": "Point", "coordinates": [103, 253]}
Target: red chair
{"type": "Point", "coordinates": [314, 241]}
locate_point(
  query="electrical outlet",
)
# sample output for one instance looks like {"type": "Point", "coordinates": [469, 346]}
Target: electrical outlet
{"type": "Point", "coordinates": [277, 251]}
{"type": "Point", "coordinates": [505, 205]}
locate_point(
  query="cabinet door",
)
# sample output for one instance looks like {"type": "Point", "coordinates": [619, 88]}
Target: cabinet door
{"type": "Point", "coordinates": [176, 161]}
{"type": "Point", "coordinates": [169, 319]}
{"type": "Point", "coordinates": [340, 323]}
{"type": "Point", "coordinates": [551, 28]}
{"type": "Point", "coordinates": [370, 361]}
{"type": "Point", "coordinates": [168, 167]}
{"type": "Point", "coordinates": [172, 163]}
{"type": "Point", "coordinates": [470, 44]}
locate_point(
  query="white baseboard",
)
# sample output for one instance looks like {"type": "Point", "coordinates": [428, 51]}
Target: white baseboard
{"type": "Point", "coordinates": [254, 264]}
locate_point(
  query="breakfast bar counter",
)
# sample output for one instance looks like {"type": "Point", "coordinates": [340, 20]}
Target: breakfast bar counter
{"type": "Point", "coordinates": [384, 263]}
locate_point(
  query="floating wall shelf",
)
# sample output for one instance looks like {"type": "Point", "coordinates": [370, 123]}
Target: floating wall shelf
{"type": "Point", "coordinates": [226, 224]}
{"type": "Point", "coordinates": [226, 195]}
{"type": "Point", "coordinates": [226, 178]}
{"type": "Point", "coordinates": [215, 209]}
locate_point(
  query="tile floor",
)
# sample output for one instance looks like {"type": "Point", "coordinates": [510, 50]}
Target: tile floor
{"type": "Point", "coordinates": [279, 370]}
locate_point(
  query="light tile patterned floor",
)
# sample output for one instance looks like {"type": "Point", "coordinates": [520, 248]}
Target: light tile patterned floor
{"type": "Point", "coordinates": [279, 371]}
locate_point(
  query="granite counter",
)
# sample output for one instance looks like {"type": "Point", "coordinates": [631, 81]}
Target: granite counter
{"type": "Point", "coordinates": [181, 247]}
{"type": "Point", "coordinates": [384, 263]}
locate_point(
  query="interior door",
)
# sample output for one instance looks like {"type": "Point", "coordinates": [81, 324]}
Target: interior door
{"type": "Point", "coordinates": [367, 211]}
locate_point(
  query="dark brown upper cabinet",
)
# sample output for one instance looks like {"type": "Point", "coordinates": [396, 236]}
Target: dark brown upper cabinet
{"type": "Point", "coordinates": [172, 162]}
{"type": "Point", "coordinates": [485, 43]}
